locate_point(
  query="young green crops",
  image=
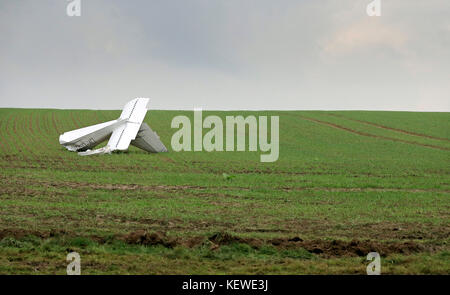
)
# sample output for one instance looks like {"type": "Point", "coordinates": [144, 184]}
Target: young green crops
{"type": "Point", "coordinates": [345, 184]}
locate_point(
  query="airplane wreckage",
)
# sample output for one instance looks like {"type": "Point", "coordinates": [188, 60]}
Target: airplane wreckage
{"type": "Point", "coordinates": [127, 129]}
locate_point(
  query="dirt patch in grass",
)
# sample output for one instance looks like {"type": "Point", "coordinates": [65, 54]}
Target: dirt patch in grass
{"type": "Point", "coordinates": [142, 237]}
{"type": "Point", "coordinates": [327, 227]}
{"type": "Point", "coordinates": [24, 191]}
{"type": "Point", "coordinates": [339, 248]}
{"type": "Point", "coordinates": [403, 231]}
{"type": "Point", "coordinates": [325, 248]}
{"type": "Point", "coordinates": [328, 248]}
{"type": "Point", "coordinates": [167, 159]}
{"type": "Point", "coordinates": [20, 182]}
{"type": "Point", "coordinates": [321, 247]}
{"type": "Point", "coordinates": [21, 233]}
{"type": "Point", "coordinates": [61, 166]}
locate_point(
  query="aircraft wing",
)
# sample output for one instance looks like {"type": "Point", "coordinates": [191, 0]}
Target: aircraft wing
{"type": "Point", "coordinates": [148, 140]}
{"type": "Point", "coordinates": [88, 137]}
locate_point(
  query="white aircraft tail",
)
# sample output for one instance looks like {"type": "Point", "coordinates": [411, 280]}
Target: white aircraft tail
{"type": "Point", "coordinates": [134, 113]}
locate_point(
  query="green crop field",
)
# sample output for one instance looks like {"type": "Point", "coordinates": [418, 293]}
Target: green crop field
{"type": "Point", "coordinates": [345, 184]}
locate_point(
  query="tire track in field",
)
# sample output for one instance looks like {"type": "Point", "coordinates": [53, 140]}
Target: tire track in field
{"type": "Point", "coordinates": [6, 149]}
{"type": "Point", "coordinates": [50, 124]}
{"type": "Point", "coordinates": [25, 182]}
{"type": "Point", "coordinates": [39, 132]}
{"type": "Point", "coordinates": [44, 118]}
{"type": "Point", "coordinates": [8, 134]}
{"type": "Point", "coordinates": [371, 135]}
{"type": "Point", "coordinates": [31, 133]}
{"type": "Point", "coordinates": [55, 126]}
{"type": "Point", "coordinates": [46, 124]}
{"type": "Point", "coordinates": [76, 124]}
{"type": "Point", "coordinates": [73, 126]}
{"type": "Point", "coordinates": [365, 189]}
{"type": "Point", "coordinates": [41, 156]}
{"type": "Point", "coordinates": [390, 128]}
{"type": "Point", "coordinates": [35, 139]}
{"type": "Point", "coordinates": [2, 148]}
{"type": "Point", "coordinates": [23, 146]}
{"type": "Point", "coordinates": [27, 137]}
{"type": "Point", "coordinates": [31, 142]}
{"type": "Point", "coordinates": [26, 141]}
{"type": "Point", "coordinates": [30, 125]}
{"type": "Point", "coordinates": [35, 129]}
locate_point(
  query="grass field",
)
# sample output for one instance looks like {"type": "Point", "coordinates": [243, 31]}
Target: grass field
{"type": "Point", "coordinates": [345, 184]}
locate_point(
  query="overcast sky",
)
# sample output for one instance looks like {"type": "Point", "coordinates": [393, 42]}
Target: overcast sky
{"type": "Point", "coordinates": [226, 54]}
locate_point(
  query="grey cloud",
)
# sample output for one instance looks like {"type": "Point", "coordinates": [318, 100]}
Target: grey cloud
{"type": "Point", "coordinates": [226, 54]}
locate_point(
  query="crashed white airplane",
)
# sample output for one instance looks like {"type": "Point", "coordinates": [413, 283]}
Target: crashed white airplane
{"type": "Point", "coordinates": [128, 129]}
